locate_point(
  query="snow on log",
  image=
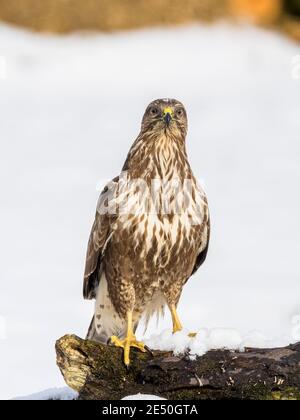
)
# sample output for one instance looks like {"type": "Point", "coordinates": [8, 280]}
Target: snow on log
{"type": "Point", "coordinates": [97, 372]}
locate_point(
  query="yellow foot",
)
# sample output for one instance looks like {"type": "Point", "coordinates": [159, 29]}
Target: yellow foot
{"type": "Point", "coordinates": [191, 334]}
{"type": "Point", "coordinates": [176, 329]}
{"type": "Point", "coordinates": [126, 344]}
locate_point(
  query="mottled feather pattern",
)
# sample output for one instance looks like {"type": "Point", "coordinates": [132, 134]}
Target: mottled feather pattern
{"type": "Point", "coordinates": [145, 255]}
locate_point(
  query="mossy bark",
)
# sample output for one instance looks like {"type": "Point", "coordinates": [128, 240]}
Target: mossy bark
{"type": "Point", "coordinates": [97, 372]}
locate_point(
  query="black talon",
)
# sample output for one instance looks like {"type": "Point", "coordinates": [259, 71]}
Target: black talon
{"type": "Point", "coordinates": [149, 350]}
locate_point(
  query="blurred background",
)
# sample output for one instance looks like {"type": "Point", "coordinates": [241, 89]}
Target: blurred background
{"type": "Point", "coordinates": [75, 78]}
{"type": "Point", "coordinates": [110, 15]}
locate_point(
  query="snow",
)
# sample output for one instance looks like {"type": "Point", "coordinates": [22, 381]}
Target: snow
{"type": "Point", "coordinates": [142, 397]}
{"type": "Point", "coordinates": [63, 393]}
{"type": "Point", "coordinates": [71, 108]}
{"type": "Point", "coordinates": [216, 338]}
{"type": "Point", "coordinates": [67, 394]}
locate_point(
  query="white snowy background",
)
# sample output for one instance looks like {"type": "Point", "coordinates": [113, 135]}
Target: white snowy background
{"type": "Point", "coordinates": [70, 108]}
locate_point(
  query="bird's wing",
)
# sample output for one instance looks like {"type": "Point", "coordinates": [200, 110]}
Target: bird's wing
{"type": "Point", "coordinates": [204, 245]}
{"type": "Point", "coordinates": [99, 237]}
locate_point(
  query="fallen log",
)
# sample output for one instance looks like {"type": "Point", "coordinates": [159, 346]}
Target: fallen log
{"type": "Point", "coordinates": [97, 372]}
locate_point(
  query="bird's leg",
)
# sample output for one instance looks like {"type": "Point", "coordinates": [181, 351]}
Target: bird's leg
{"type": "Point", "coordinates": [176, 322]}
{"type": "Point", "coordinates": [129, 341]}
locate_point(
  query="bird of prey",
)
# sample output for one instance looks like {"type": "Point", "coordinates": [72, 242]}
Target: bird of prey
{"type": "Point", "coordinates": [150, 233]}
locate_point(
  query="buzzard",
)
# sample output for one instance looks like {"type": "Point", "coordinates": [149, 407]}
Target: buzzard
{"type": "Point", "coordinates": [150, 233]}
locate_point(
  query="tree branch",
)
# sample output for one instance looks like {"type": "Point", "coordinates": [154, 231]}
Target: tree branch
{"type": "Point", "coordinates": [97, 372]}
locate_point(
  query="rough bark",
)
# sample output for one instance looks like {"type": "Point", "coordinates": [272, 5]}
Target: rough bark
{"type": "Point", "coordinates": [97, 372]}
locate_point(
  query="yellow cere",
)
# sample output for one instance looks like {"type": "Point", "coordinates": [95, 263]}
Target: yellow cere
{"type": "Point", "coordinates": [168, 111]}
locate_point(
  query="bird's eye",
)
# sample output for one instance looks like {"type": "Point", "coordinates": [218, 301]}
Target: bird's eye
{"type": "Point", "coordinates": [153, 111]}
{"type": "Point", "coordinates": [179, 112]}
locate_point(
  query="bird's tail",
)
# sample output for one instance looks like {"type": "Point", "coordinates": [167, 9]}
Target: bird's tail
{"type": "Point", "coordinates": [106, 321]}
{"type": "Point", "coordinates": [91, 334]}
{"type": "Point", "coordinates": [155, 307]}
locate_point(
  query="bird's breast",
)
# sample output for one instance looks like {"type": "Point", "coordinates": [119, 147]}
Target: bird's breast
{"type": "Point", "coordinates": [158, 235]}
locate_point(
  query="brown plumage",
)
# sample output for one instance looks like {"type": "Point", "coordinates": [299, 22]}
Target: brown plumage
{"type": "Point", "coordinates": [151, 230]}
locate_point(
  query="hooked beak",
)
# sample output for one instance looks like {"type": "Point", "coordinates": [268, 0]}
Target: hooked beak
{"type": "Point", "coordinates": [167, 115]}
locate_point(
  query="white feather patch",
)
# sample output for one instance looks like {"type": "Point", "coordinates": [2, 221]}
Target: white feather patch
{"type": "Point", "coordinates": [155, 306]}
{"type": "Point", "coordinates": [107, 320]}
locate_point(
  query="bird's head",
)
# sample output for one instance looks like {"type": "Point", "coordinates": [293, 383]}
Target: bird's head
{"type": "Point", "coordinates": [165, 115]}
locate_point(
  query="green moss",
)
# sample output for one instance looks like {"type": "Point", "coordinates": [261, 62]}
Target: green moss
{"type": "Point", "coordinates": [286, 394]}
